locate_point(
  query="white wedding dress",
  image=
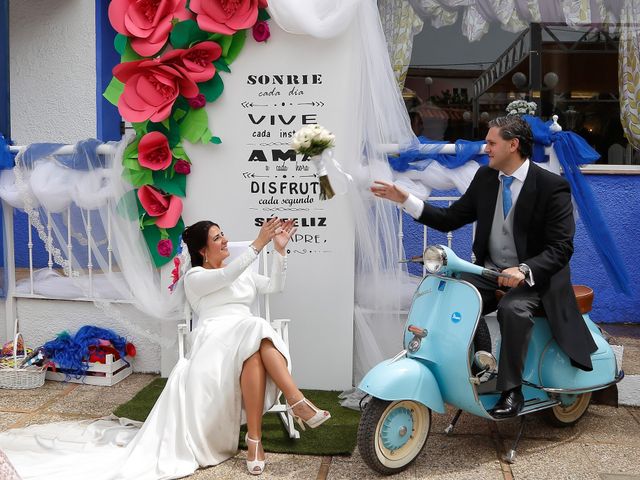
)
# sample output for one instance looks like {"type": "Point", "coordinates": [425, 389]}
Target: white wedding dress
{"type": "Point", "coordinates": [196, 421]}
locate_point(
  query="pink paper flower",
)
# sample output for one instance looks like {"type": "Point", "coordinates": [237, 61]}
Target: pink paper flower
{"type": "Point", "coordinates": [226, 16]}
{"type": "Point", "coordinates": [147, 22]}
{"type": "Point", "coordinates": [182, 166]}
{"type": "Point", "coordinates": [165, 247]}
{"type": "Point", "coordinates": [198, 101]}
{"type": "Point", "coordinates": [167, 208]}
{"type": "Point", "coordinates": [154, 152]}
{"type": "Point", "coordinates": [151, 88]}
{"type": "Point", "coordinates": [261, 32]}
{"type": "Point", "coordinates": [195, 61]}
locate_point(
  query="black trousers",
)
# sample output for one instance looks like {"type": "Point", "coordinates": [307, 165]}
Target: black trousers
{"type": "Point", "coordinates": [515, 316]}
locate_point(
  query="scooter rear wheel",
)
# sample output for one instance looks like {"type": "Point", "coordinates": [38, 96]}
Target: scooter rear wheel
{"type": "Point", "coordinates": [391, 435]}
{"type": "Point", "coordinates": [570, 411]}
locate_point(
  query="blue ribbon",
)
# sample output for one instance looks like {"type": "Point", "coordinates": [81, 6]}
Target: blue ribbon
{"type": "Point", "coordinates": [84, 157]}
{"type": "Point", "coordinates": [411, 158]}
{"type": "Point", "coordinates": [6, 157]}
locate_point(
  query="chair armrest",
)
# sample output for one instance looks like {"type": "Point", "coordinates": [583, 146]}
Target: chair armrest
{"type": "Point", "coordinates": [183, 328]}
{"type": "Point", "coordinates": [281, 320]}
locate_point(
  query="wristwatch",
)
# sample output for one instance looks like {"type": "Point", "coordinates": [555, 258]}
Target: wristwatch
{"type": "Point", "coordinates": [525, 270]}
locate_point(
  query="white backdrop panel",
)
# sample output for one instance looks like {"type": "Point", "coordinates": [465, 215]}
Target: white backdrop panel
{"type": "Point", "coordinates": [273, 90]}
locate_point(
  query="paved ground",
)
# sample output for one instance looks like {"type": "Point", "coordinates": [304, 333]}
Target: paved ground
{"type": "Point", "coordinates": [605, 445]}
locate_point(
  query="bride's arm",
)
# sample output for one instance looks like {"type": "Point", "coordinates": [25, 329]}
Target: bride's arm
{"type": "Point", "coordinates": [275, 282]}
{"type": "Point", "coordinates": [204, 281]}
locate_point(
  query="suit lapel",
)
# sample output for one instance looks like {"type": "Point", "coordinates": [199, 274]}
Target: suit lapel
{"type": "Point", "coordinates": [524, 209]}
{"type": "Point", "coordinates": [486, 212]}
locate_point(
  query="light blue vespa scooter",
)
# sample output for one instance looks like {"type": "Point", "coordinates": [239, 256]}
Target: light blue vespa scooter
{"type": "Point", "coordinates": [439, 365]}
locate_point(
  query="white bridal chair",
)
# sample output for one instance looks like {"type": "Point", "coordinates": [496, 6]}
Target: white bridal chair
{"type": "Point", "coordinates": [261, 308]}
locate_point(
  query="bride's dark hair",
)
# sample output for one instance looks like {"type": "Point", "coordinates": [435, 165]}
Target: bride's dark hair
{"type": "Point", "coordinates": [195, 236]}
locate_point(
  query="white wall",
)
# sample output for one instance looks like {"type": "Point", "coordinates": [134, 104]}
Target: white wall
{"type": "Point", "coordinates": [53, 70]}
{"type": "Point", "coordinates": [43, 320]}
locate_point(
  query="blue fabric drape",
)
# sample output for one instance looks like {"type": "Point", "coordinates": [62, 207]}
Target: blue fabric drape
{"type": "Point", "coordinates": [6, 157]}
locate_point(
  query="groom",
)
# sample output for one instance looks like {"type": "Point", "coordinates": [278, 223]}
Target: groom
{"type": "Point", "coordinates": [525, 229]}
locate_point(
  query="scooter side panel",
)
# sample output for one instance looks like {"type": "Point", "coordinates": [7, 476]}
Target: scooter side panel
{"type": "Point", "coordinates": [449, 310]}
{"type": "Point", "coordinates": [403, 379]}
{"type": "Point", "coordinates": [556, 370]}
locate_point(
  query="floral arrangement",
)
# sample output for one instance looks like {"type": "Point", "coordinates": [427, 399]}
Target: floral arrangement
{"type": "Point", "coordinates": [312, 141]}
{"type": "Point", "coordinates": [172, 53]}
{"type": "Point", "coordinates": [521, 107]}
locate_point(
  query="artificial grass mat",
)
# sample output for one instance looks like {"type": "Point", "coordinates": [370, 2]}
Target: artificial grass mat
{"type": "Point", "coordinates": [337, 436]}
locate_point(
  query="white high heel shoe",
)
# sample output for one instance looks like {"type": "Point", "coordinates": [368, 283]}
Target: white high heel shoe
{"type": "Point", "coordinates": [255, 467]}
{"type": "Point", "coordinates": [318, 419]}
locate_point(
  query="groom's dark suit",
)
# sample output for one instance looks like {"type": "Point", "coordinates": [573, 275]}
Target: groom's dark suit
{"type": "Point", "coordinates": [543, 229]}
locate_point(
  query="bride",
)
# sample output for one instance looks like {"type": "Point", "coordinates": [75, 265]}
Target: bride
{"type": "Point", "coordinates": [236, 365]}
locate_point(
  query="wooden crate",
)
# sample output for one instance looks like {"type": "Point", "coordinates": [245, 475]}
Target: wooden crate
{"type": "Point", "coordinates": [104, 374]}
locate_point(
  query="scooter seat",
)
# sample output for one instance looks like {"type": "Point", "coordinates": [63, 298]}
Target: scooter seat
{"type": "Point", "coordinates": [584, 298]}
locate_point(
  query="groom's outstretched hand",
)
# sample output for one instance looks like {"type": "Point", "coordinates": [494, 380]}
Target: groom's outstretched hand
{"type": "Point", "coordinates": [389, 191]}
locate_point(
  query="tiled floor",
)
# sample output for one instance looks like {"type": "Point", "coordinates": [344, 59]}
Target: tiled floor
{"type": "Point", "coordinates": [605, 445]}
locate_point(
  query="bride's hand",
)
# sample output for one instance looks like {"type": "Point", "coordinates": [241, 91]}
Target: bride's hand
{"type": "Point", "coordinates": [283, 236]}
{"type": "Point", "coordinates": [267, 232]}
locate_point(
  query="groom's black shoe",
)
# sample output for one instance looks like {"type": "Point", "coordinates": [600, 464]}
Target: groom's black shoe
{"type": "Point", "coordinates": [509, 405]}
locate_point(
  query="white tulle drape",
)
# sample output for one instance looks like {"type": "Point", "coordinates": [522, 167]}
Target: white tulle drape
{"type": "Point", "coordinates": [86, 216]}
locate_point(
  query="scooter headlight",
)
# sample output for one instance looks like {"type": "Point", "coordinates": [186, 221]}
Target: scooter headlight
{"type": "Point", "coordinates": [434, 258]}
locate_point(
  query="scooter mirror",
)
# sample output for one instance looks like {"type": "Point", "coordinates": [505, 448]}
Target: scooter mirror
{"type": "Point", "coordinates": [485, 360]}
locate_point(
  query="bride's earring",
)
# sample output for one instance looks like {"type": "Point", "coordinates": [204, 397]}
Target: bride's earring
{"type": "Point", "coordinates": [205, 257]}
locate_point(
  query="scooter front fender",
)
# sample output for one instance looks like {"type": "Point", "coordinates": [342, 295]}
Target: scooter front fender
{"type": "Point", "coordinates": [403, 379]}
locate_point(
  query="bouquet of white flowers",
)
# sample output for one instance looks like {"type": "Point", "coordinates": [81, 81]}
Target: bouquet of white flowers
{"type": "Point", "coordinates": [521, 107]}
{"type": "Point", "coordinates": [313, 140]}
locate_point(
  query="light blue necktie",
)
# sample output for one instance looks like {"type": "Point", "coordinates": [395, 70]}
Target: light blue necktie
{"type": "Point", "coordinates": [506, 194]}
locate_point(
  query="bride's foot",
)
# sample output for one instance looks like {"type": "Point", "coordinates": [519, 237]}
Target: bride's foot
{"type": "Point", "coordinates": [306, 412]}
{"type": "Point", "coordinates": [255, 455]}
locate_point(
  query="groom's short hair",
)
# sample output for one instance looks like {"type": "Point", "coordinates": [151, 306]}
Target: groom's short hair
{"type": "Point", "coordinates": [513, 126]}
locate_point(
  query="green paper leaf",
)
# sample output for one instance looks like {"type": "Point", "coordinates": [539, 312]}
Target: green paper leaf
{"type": "Point", "coordinates": [129, 54]}
{"type": "Point", "coordinates": [194, 125]}
{"type": "Point", "coordinates": [212, 89]}
{"type": "Point", "coordinates": [221, 65]}
{"type": "Point", "coordinates": [179, 114]}
{"type": "Point", "coordinates": [206, 136]}
{"type": "Point", "coordinates": [215, 140]}
{"type": "Point", "coordinates": [146, 221]}
{"type": "Point", "coordinates": [138, 178]}
{"type": "Point", "coordinates": [120, 43]}
{"type": "Point", "coordinates": [140, 127]}
{"type": "Point", "coordinates": [263, 15]}
{"type": "Point", "coordinates": [186, 33]}
{"type": "Point", "coordinates": [175, 186]}
{"type": "Point", "coordinates": [225, 42]}
{"type": "Point", "coordinates": [157, 127]}
{"type": "Point", "coordinates": [178, 152]}
{"type": "Point", "coordinates": [236, 46]}
{"type": "Point", "coordinates": [152, 237]}
{"type": "Point", "coordinates": [113, 91]}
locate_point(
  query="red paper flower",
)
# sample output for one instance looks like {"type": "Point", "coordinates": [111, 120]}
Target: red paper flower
{"type": "Point", "coordinates": [165, 247]}
{"type": "Point", "coordinates": [167, 208]}
{"type": "Point", "coordinates": [182, 166]}
{"type": "Point", "coordinates": [198, 101]}
{"type": "Point", "coordinates": [154, 152]}
{"type": "Point", "coordinates": [226, 16]}
{"type": "Point", "coordinates": [195, 61]}
{"type": "Point", "coordinates": [130, 349]}
{"type": "Point", "coordinates": [147, 22]}
{"type": "Point", "coordinates": [261, 32]}
{"type": "Point", "coordinates": [151, 88]}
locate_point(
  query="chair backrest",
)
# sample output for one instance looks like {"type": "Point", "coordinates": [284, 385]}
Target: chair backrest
{"type": "Point", "coordinates": [259, 266]}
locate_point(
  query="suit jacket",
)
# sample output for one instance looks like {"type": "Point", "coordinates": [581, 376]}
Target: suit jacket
{"type": "Point", "coordinates": [543, 227]}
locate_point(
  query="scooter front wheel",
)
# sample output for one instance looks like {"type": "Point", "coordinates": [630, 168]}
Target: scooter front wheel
{"type": "Point", "coordinates": [391, 435]}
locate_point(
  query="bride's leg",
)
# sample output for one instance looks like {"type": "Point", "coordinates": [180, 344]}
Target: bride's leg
{"type": "Point", "coordinates": [253, 381]}
{"type": "Point", "coordinates": [276, 366]}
